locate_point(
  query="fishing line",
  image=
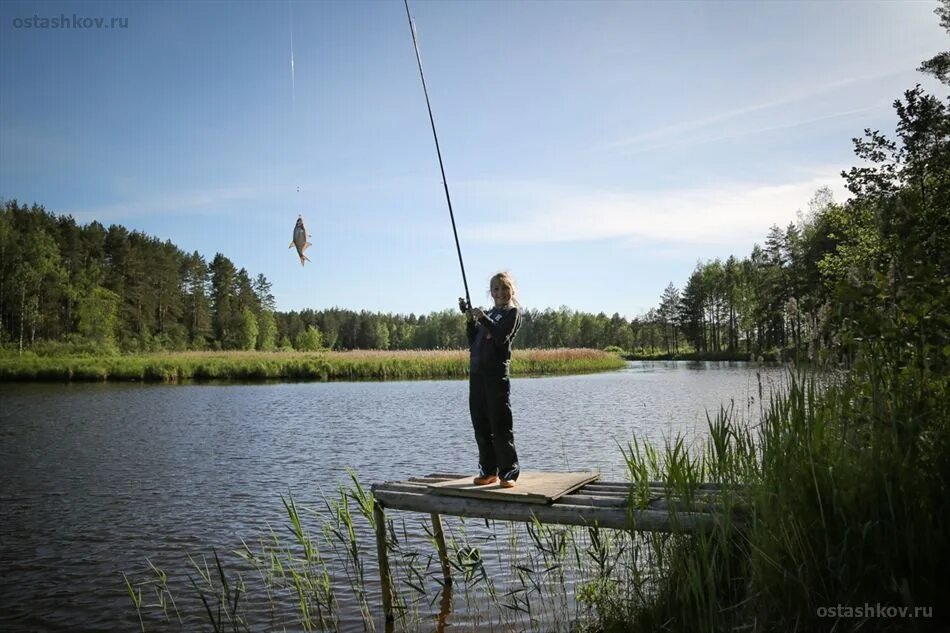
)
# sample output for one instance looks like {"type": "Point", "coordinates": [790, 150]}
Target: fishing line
{"type": "Point", "coordinates": [300, 231]}
{"type": "Point", "coordinates": [293, 80]}
{"type": "Point", "coordinates": [445, 184]}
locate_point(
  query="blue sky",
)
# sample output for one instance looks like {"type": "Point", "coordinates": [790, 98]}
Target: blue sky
{"type": "Point", "coordinates": [594, 150]}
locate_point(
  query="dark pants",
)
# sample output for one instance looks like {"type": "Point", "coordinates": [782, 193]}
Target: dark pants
{"type": "Point", "coordinates": [489, 401]}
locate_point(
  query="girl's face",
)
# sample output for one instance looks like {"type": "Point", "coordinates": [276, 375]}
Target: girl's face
{"type": "Point", "coordinates": [500, 293]}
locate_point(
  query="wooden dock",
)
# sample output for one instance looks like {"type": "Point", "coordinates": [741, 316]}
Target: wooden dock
{"type": "Point", "coordinates": [597, 503]}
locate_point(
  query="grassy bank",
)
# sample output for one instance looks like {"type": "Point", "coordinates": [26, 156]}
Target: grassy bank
{"type": "Point", "coordinates": [847, 525]}
{"type": "Point", "coordinates": [318, 366]}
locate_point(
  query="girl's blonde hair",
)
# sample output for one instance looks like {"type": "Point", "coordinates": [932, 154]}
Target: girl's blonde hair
{"type": "Point", "coordinates": [504, 277]}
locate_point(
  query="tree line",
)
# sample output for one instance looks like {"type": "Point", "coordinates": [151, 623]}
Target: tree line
{"type": "Point", "coordinates": [120, 289]}
{"type": "Point", "coordinates": [98, 288]}
{"type": "Point", "coordinates": [875, 266]}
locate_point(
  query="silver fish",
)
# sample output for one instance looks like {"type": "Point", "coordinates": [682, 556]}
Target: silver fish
{"type": "Point", "coordinates": [300, 239]}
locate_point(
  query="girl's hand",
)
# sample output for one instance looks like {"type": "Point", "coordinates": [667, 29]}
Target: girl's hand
{"type": "Point", "coordinates": [476, 313]}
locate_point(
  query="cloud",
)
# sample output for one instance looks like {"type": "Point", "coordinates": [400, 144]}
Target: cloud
{"type": "Point", "coordinates": [712, 136]}
{"type": "Point", "coordinates": [684, 133]}
{"type": "Point", "coordinates": [715, 215]}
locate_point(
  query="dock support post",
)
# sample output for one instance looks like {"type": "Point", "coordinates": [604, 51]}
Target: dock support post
{"type": "Point", "coordinates": [382, 554]}
{"type": "Point", "coordinates": [443, 552]}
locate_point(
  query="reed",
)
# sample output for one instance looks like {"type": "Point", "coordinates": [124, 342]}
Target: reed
{"type": "Point", "coordinates": [837, 499]}
{"type": "Point", "coordinates": [282, 579]}
{"type": "Point", "coordinates": [292, 366]}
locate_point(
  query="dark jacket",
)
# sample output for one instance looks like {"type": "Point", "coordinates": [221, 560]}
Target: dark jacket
{"type": "Point", "coordinates": [490, 340]}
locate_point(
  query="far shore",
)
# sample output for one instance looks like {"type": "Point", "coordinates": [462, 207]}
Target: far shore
{"type": "Point", "coordinates": [766, 357]}
{"type": "Point", "coordinates": [174, 367]}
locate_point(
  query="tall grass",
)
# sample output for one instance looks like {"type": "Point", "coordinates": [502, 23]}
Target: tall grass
{"type": "Point", "coordinates": [318, 572]}
{"type": "Point", "coordinates": [835, 505]}
{"type": "Point", "coordinates": [319, 366]}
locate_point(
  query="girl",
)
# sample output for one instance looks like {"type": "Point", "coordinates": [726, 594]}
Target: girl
{"type": "Point", "coordinates": [489, 397]}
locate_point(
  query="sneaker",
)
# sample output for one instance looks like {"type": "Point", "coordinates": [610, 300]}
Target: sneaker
{"type": "Point", "coordinates": [484, 480]}
{"type": "Point", "coordinates": [507, 483]}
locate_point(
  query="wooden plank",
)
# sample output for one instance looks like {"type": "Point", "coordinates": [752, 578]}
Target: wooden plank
{"type": "Point", "coordinates": [587, 496]}
{"type": "Point", "coordinates": [426, 480]}
{"type": "Point", "coordinates": [531, 487]}
{"type": "Point", "coordinates": [382, 555]}
{"type": "Point", "coordinates": [625, 485]}
{"type": "Point", "coordinates": [591, 489]}
{"type": "Point", "coordinates": [440, 545]}
{"type": "Point", "coordinates": [578, 497]}
{"type": "Point", "coordinates": [561, 512]}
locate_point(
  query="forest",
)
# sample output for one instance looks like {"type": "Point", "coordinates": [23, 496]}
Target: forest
{"type": "Point", "coordinates": [873, 266]}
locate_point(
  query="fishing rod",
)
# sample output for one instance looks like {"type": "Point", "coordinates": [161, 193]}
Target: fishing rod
{"type": "Point", "coordinates": [445, 184]}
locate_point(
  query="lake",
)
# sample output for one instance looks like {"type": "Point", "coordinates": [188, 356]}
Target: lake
{"type": "Point", "coordinates": [97, 478]}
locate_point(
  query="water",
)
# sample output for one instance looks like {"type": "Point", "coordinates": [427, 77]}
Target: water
{"type": "Point", "coordinates": [95, 478]}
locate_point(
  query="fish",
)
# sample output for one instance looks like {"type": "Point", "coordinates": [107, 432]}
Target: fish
{"type": "Point", "coordinates": [300, 239]}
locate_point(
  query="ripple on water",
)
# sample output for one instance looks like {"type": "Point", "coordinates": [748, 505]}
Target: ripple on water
{"type": "Point", "coordinates": [99, 478]}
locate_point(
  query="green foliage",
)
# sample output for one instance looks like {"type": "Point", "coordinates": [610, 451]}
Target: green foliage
{"type": "Point", "coordinates": [875, 267]}
{"type": "Point", "coordinates": [59, 280]}
{"type": "Point", "coordinates": [98, 316]}
{"type": "Point", "coordinates": [837, 498]}
{"type": "Point", "coordinates": [309, 340]}
{"type": "Point", "coordinates": [266, 332]}
{"type": "Point", "coordinates": [249, 330]}
{"type": "Point", "coordinates": [939, 65]}
{"type": "Point", "coordinates": [197, 305]}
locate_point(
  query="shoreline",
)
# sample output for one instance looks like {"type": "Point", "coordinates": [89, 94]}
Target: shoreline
{"type": "Point", "coordinates": [744, 357]}
{"type": "Point", "coordinates": [357, 365]}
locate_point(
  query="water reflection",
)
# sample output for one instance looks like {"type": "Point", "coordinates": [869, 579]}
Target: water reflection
{"type": "Point", "coordinates": [445, 608]}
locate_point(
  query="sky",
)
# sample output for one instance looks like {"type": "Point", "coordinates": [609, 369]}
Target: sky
{"type": "Point", "coordinates": [595, 150]}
